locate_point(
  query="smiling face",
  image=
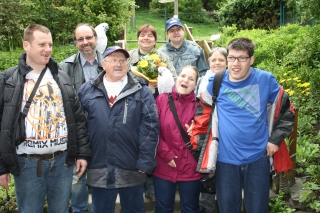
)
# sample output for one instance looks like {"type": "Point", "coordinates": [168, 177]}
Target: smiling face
{"type": "Point", "coordinates": [175, 34]}
{"type": "Point", "coordinates": [239, 71]}
{"type": "Point", "coordinates": [187, 80]}
{"type": "Point", "coordinates": [116, 66]}
{"type": "Point", "coordinates": [146, 41]}
{"type": "Point", "coordinates": [38, 49]}
{"type": "Point", "coordinates": [217, 62]}
{"type": "Point", "coordinates": [85, 40]}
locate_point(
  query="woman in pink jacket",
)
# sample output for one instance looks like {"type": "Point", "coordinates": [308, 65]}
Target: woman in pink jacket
{"type": "Point", "coordinates": [175, 164]}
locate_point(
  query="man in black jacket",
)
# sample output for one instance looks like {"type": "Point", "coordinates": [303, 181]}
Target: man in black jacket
{"type": "Point", "coordinates": [40, 144]}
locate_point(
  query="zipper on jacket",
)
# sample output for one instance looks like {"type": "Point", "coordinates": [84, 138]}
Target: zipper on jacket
{"type": "Point", "coordinates": [125, 111]}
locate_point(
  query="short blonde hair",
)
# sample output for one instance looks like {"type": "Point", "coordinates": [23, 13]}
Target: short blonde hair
{"type": "Point", "coordinates": [29, 30]}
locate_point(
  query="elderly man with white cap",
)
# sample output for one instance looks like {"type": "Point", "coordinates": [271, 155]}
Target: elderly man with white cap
{"type": "Point", "coordinates": [123, 129]}
{"type": "Point", "coordinates": [183, 52]}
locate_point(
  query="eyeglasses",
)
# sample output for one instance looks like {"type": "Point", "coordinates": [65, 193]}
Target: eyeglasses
{"type": "Point", "coordinates": [81, 39]}
{"type": "Point", "coordinates": [115, 61]}
{"type": "Point", "coordinates": [240, 59]}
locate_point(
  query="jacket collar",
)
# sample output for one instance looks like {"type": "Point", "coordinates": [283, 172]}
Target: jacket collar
{"type": "Point", "coordinates": [76, 59]}
{"type": "Point", "coordinates": [182, 48]}
{"type": "Point", "coordinates": [25, 69]}
{"type": "Point", "coordinates": [183, 98]}
{"type": "Point", "coordinates": [132, 79]}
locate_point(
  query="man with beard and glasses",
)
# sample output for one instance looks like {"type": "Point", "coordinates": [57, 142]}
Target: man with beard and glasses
{"type": "Point", "coordinates": [82, 67]}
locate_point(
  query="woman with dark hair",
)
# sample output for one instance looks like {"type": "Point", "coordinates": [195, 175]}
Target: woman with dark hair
{"type": "Point", "coordinates": [147, 38]}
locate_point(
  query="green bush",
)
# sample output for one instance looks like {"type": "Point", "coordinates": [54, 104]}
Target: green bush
{"type": "Point", "coordinates": [250, 14]}
{"type": "Point", "coordinates": [60, 17]}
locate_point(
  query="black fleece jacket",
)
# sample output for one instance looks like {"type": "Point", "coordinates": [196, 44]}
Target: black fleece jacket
{"type": "Point", "coordinates": [11, 90]}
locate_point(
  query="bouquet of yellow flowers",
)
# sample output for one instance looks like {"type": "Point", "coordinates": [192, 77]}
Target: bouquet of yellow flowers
{"type": "Point", "coordinates": [147, 67]}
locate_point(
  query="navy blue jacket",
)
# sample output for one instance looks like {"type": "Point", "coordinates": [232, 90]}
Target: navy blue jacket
{"type": "Point", "coordinates": [123, 138]}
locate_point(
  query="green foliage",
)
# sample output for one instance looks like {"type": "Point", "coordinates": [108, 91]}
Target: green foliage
{"type": "Point", "coordinates": [8, 199]}
{"type": "Point", "coordinates": [310, 196]}
{"type": "Point", "coordinates": [61, 17]}
{"type": "Point", "coordinates": [308, 8]}
{"type": "Point", "coordinates": [251, 14]}
{"type": "Point", "coordinates": [59, 53]}
{"type": "Point", "coordinates": [278, 204]}
{"type": "Point", "coordinates": [143, 3]}
{"type": "Point", "coordinates": [200, 32]}
{"type": "Point", "coordinates": [189, 10]}
{"type": "Point", "coordinates": [211, 5]}
{"type": "Point", "coordinates": [158, 8]}
{"type": "Point", "coordinates": [307, 151]}
{"type": "Point", "coordinates": [13, 18]}
{"type": "Point", "coordinates": [9, 59]}
{"type": "Point", "coordinates": [271, 45]}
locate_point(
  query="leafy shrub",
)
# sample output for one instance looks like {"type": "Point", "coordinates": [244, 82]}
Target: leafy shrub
{"type": "Point", "coordinates": [251, 14]}
{"type": "Point", "coordinates": [278, 204]}
{"type": "Point", "coordinates": [8, 199]}
{"type": "Point", "coordinates": [60, 17]}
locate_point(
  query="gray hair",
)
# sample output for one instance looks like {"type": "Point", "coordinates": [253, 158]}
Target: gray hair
{"type": "Point", "coordinates": [221, 50]}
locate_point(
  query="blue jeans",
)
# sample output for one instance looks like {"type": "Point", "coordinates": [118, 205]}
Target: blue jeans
{"type": "Point", "coordinates": [54, 184]}
{"type": "Point", "coordinates": [131, 199]}
{"type": "Point", "coordinates": [254, 178]}
{"type": "Point", "coordinates": [79, 193]}
{"type": "Point", "coordinates": [165, 190]}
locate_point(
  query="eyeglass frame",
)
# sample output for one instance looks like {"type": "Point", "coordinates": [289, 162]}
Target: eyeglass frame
{"type": "Point", "coordinates": [81, 39]}
{"type": "Point", "coordinates": [115, 61]}
{"type": "Point", "coordinates": [242, 58]}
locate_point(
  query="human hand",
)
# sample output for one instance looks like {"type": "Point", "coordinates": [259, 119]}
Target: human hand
{"type": "Point", "coordinates": [172, 163]}
{"type": "Point", "coordinates": [271, 149]}
{"type": "Point", "coordinates": [153, 85]}
{"type": "Point", "coordinates": [141, 171]}
{"type": "Point", "coordinates": [4, 180]}
{"type": "Point", "coordinates": [189, 128]}
{"type": "Point", "coordinates": [81, 166]}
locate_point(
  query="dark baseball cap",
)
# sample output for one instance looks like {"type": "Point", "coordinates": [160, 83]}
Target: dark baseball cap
{"type": "Point", "coordinates": [173, 22]}
{"type": "Point", "coordinates": [113, 49]}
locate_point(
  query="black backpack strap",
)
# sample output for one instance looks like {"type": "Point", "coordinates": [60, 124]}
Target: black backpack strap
{"type": "Point", "coordinates": [34, 90]}
{"type": "Point", "coordinates": [216, 86]}
{"type": "Point", "coordinates": [175, 115]}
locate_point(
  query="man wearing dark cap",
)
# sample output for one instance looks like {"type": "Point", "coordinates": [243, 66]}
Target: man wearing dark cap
{"type": "Point", "coordinates": [182, 52]}
{"type": "Point", "coordinates": [123, 129]}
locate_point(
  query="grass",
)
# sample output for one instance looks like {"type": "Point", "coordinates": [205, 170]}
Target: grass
{"type": "Point", "coordinates": [199, 31]}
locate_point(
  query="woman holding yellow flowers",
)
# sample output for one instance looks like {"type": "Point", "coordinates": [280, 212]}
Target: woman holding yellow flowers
{"type": "Point", "coordinates": [146, 59]}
